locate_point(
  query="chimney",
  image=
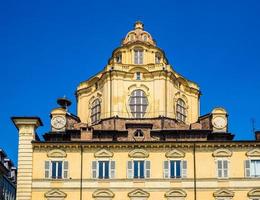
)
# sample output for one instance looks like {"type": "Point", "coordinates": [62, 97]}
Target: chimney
{"type": "Point", "coordinates": [257, 135]}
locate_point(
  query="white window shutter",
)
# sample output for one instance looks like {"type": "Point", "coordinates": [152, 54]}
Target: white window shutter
{"type": "Point", "coordinates": [147, 169]}
{"type": "Point", "coordinates": [94, 169]}
{"type": "Point", "coordinates": [112, 169]}
{"type": "Point", "coordinates": [65, 169]}
{"type": "Point", "coordinates": [225, 168]}
{"type": "Point", "coordinates": [184, 169]}
{"type": "Point", "coordinates": [219, 168]}
{"type": "Point", "coordinates": [129, 169]}
{"type": "Point", "coordinates": [166, 169]}
{"type": "Point", "coordinates": [47, 169]}
{"type": "Point", "coordinates": [247, 168]}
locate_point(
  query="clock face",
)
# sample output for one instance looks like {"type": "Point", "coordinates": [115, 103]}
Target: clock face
{"type": "Point", "coordinates": [219, 122]}
{"type": "Point", "coordinates": [58, 122]}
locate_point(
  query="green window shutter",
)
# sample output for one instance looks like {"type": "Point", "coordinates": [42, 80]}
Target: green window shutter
{"type": "Point", "coordinates": [184, 169]}
{"type": "Point", "coordinates": [112, 169]}
{"type": "Point", "coordinates": [130, 169]}
{"type": "Point", "coordinates": [65, 169]}
{"type": "Point", "coordinates": [47, 169]}
{"type": "Point", "coordinates": [94, 169]}
{"type": "Point", "coordinates": [247, 168]}
{"type": "Point", "coordinates": [166, 169]}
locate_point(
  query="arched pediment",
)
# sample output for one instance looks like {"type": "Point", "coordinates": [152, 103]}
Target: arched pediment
{"type": "Point", "coordinates": [138, 153]}
{"type": "Point", "coordinates": [103, 153]}
{"type": "Point", "coordinates": [57, 153]}
{"type": "Point", "coordinates": [175, 154]}
{"type": "Point", "coordinates": [103, 193]}
{"type": "Point", "coordinates": [138, 193]}
{"type": "Point", "coordinates": [223, 193]}
{"type": "Point", "coordinates": [254, 193]}
{"type": "Point", "coordinates": [222, 153]}
{"type": "Point", "coordinates": [138, 69]}
{"type": "Point", "coordinates": [55, 194]}
{"type": "Point", "coordinates": [175, 193]}
{"type": "Point", "coordinates": [253, 153]}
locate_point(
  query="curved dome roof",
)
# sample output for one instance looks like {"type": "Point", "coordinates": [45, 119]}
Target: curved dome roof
{"type": "Point", "coordinates": [138, 34]}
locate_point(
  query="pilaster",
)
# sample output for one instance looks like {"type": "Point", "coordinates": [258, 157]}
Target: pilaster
{"type": "Point", "coordinates": [26, 128]}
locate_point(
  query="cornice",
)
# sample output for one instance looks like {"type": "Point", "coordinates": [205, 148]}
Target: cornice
{"type": "Point", "coordinates": [73, 145]}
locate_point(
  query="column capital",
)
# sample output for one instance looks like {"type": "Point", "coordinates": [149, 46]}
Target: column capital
{"type": "Point", "coordinates": [34, 122]}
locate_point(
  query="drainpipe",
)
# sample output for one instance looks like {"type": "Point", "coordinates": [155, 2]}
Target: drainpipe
{"type": "Point", "coordinates": [81, 170]}
{"type": "Point", "coordinates": [194, 169]}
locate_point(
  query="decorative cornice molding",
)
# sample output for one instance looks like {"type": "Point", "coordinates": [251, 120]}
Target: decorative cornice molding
{"type": "Point", "coordinates": [103, 153]}
{"type": "Point", "coordinates": [175, 193]}
{"type": "Point", "coordinates": [57, 153]}
{"type": "Point", "coordinates": [253, 153]}
{"type": "Point", "coordinates": [223, 193]}
{"type": "Point", "coordinates": [103, 193]}
{"type": "Point", "coordinates": [175, 154]}
{"type": "Point", "coordinates": [138, 193]}
{"type": "Point", "coordinates": [222, 153]}
{"type": "Point", "coordinates": [138, 153]}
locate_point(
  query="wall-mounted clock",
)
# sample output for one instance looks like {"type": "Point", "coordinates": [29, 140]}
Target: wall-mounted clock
{"type": "Point", "coordinates": [219, 122]}
{"type": "Point", "coordinates": [58, 122]}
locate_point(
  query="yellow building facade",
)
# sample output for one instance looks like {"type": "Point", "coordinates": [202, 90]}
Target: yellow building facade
{"type": "Point", "coordinates": [137, 135]}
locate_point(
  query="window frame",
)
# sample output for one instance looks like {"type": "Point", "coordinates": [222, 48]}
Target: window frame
{"type": "Point", "coordinates": [140, 101]}
{"type": "Point", "coordinates": [146, 171]}
{"type": "Point", "coordinates": [249, 170]}
{"type": "Point", "coordinates": [95, 111]}
{"type": "Point", "coordinates": [48, 171]}
{"type": "Point", "coordinates": [138, 56]}
{"type": "Point", "coordinates": [111, 172]}
{"type": "Point", "coordinates": [220, 172]}
{"type": "Point", "coordinates": [181, 110]}
{"type": "Point", "coordinates": [167, 172]}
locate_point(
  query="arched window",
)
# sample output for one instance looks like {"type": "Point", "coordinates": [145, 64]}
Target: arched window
{"type": "Point", "coordinates": [157, 58]}
{"type": "Point", "coordinates": [95, 111]}
{"type": "Point", "coordinates": [138, 103]}
{"type": "Point", "coordinates": [138, 56]}
{"type": "Point", "coordinates": [181, 110]}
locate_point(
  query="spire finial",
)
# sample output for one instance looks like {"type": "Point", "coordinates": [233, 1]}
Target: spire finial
{"type": "Point", "coordinates": [139, 25]}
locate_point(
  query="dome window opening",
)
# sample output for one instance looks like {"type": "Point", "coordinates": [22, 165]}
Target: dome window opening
{"type": "Point", "coordinates": [95, 111]}
{"type": "Point", "coordinates": [145, 38]}
{"type": "Point", "coordinates": [157, 58]}
{"type": "Point", "coordinates": [138, 56]}
{"type": "Point", "coordinates": [181, 111]}
{"type": "Point", "coordinates": [138, 75]}
{"type": "Point", "coordinates": [119, 58]}
{"type": "Point", "coordinates": [138, 103]}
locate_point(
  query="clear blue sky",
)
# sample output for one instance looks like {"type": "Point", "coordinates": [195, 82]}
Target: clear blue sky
{"type": "Point", "coordinates": [48, 47]}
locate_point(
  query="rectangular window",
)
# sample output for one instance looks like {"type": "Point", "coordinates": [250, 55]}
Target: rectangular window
{"type": "Point", "coordinates": [138, 56]}
{"type": "Point", "coordinates": [255, 168]}
{"type": "Point", "coordinates": [103, 169]}
{"type": "Point", "coordinates": [138, 76]}
{"type": "Point", "coordinates": [222, 168]}
{"type": "Point", "coordinates": [56, 169]}
{"type": "Point", "coordinates": [175, 168]}
{"type": "Point", "coordinates": [138, 169]}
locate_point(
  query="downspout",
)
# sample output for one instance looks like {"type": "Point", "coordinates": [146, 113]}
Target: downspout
{"type": "Point", "coordinates": [194, 169]}
{"type": "Point", "coordinates": [81, 170]}
{"type": "Point", "coordinates": [166, 95]}
{"type": "Point", "coordinates": [110, 91]}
